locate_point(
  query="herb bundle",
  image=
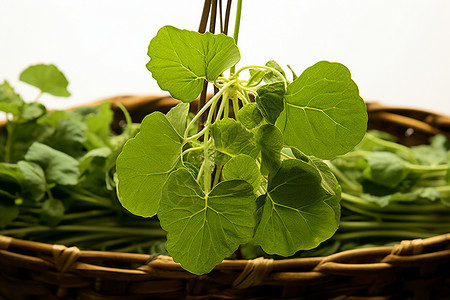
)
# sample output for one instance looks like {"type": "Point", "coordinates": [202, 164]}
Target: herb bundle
{"type": "Point", "coordinates": [254, 171]}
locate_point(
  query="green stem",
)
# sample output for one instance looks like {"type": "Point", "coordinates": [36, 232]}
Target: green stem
{"type": "Point", "coordinates": [262, 67]}
{"type": "Point", "coordinates": [424, 169]}
{"type": "Point", "coordinates": [237, 25]}
{"type": "Point", "coordinates": [244, 96]}
{"type": "Point", "coordinates": [372, 208]}
{"type": "Point", "coordinates": [112, 243]}
{"type": "Point", "coordinates": [212, 101]}
{"type": "Point", "coordinates": [81, 228]}
{"type": "Point", "coordinates": [91, 198]}
{"type": "Point", "coordinates": [221, 109]}
{"type": "Point", "coordinates": [401, 234]}
{"type": "Point", "coordinates": [86, 214]}
{"type": "Point", "coordinates": [207, 169]}
{"type": "Point", "coordinates": [87, 237]}
{"type": "Point", "coordinates": [361, 225]}
{"type": "Point", "coordinates": [9, 195]}
{"type": "Point", "coordinates": [192, 149]}
{"type": "Point", "coordinates": [397, 148]}
{"type": "Point", "coordinates": [217, 175]}
{"type": "Point", "coordinates": [342, 178]}
{"type": "Point", "coordinates": [135, 247]}
{"type": "Point", "coordinates": [198, 135]}
{"type": "Point", "coordinates": [38, 96]}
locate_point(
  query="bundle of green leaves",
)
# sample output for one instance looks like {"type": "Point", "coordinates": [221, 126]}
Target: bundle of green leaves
{"type": "Point", "coordinates": [57, 168]}
{"type": "Point", "coordinates": [254, 171]}
{"type": "Point", "coordinates": [389, 193]}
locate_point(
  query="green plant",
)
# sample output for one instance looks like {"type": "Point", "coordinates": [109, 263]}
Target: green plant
{"type": "Point", "coordinates": [254, 171]}
{"type": "Point", "coordinates": [57, 172]}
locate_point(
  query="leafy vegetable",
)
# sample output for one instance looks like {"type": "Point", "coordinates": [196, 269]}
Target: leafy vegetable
{"type": "Point", "coordinates": [47, 78]}
{"type": "Point", "coordinates": [10, 102]}
{"type": "Point", "coordinates": [235, 172]}
{"type": "Point", "coordinates": [145, 164]}
{"type": "Point", "coordinates": [250, 116]}
{"type": "Point", "coordinates": [295, 215]}
{"type": "Point", "coordinates": [231, 139]}
{"type": "Point", "coordinates": [323, 108]}
{"type": "Point", "coordinates": [181, 60]}
{"type": "Point", "coordinates": [59, 167]}
{"type": "Point", "coordinates": [57, 173]}
{"type": "Point", "coordinates": [203, 228]}
{"type": "Point", "coordinates": [270, 100]}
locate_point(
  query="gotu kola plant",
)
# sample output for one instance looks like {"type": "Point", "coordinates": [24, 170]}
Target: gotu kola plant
{"type": "Point", "coordinates": [254, 171]}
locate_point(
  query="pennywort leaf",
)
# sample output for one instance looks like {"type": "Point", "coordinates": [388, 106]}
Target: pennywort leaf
{"type": "Point", "coordinates": [59, 167]}
{"type": "Point", "coordinates": [10, 102]}
{"type": "Point", "coordinates": [295, 215]}
{"type": "Point", "coordinates": [324, 115]}
{"type": "Point", "coordinates": [271, 76]}
{"type": "Point", "coordinates": [203, 229]}
{"type": "Point", "coordinates": [270, 100]}
{"type": "Point", "coordinates": [35, 183]}
{"type": "Point", "coordinates": [48, 78]}
{"type": "Point", "coordinates": [242, 167]}
{"type": "Point", "coordinates": [250, 116]}
{"type": "Point", "coordinates": [231, 139]}
{"type": "Point", "coordinates": [180, 60]}
{"type": "Point", "coordinates": [177, 116]}
{"type": "Point", "coordinates": [12, 180]}
{"type": "Point", "coordinates": [385, 168]}
{"type": "Point", "coordinates": [270, 142]}
{"type": "Point", "coordinates": [145, 163]}
{"type": "Point", "coordinates": [52, 211]}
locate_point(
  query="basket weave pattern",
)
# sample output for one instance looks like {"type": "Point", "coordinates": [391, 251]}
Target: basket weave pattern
{"type": "Point", "coordinates": [416, 269]}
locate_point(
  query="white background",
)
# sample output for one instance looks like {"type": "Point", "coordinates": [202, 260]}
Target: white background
{"type": "Point", "coordinates": [398, 51]}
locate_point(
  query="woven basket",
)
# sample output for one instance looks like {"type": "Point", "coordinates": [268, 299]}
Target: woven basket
{"type": "Point", "coordinates": [417, 269]}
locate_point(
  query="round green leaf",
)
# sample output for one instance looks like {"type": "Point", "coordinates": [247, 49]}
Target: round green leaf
{"type": "Point", "coordinates": [35, 184]}
{"type": "Point", "coordinates": [203, 229]}
{"type": "Point", "coordinates": [231, 139]}
{"type": "Point", "coordinates": [145, 163]}
{"type": "Point", "coordinates": [324, 115]}
{"type": "Point", "coordinates": [10, 102]}
{"type": "Point", "coordinates": [297, 214]}
{"type": "Point", "coordinates": [180, 60]}
{"type": "Point", "coordinates": [178, 116]}
{"type": "Point", "coordinates": [270, 141]}
{"type": "Point", "coordinates": [59, 167]}
{"type": "Point", "coordinates": [242, 167]}
{"type": "Point", "coordinates": [250, 116]}
{"type": "Point", "coordinates": [47, 78]}
{"type": "Point", "coordinates": [270, 100]}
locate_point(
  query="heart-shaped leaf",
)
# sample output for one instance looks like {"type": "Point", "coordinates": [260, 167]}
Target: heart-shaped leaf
{"type": "Point", "coordinates": [59, 167]}
{"type": "Point", "coordinates": [270, 141]}
{"type": "Point", "coordinates": [203, 229]}
{"type": "Point", "coordinates": [324, 115]}
{"type": "Point", "coordinates": [180, 60]}
{"type": "Point", "coordinates": [231, 139]}
{"type": "Point", "coordinates": [10, 102]}
{"type": "Point", "coordinates": [47, 78]}
{"type": "Point", "coordinates": [242, 167]}
{"type": "Point", "coordinates": [296, 214]}
{"type": "Point", "coordinates": [270, 100]}
{"type": "Point", "coordinates": [250, 116]}
{"type": "Point", "coordinates": [145, 163]}
{"type": "Point", "coordinates": [35, 183]}
{"type": "Point", "coordinates": [177, 116]}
